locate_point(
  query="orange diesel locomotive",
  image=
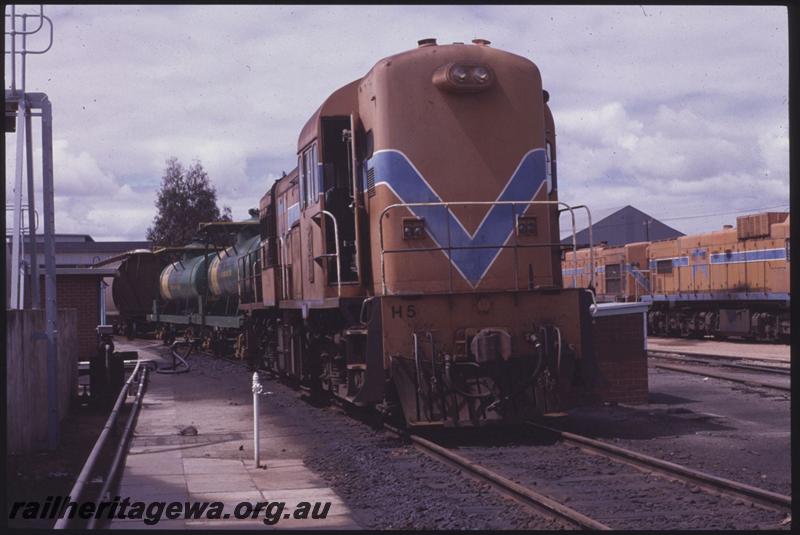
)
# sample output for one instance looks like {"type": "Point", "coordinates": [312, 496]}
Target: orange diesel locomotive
{"type": "Point", "coordinates": [411, 260]}
{"type": "Point", "coordinates": [731, 282]}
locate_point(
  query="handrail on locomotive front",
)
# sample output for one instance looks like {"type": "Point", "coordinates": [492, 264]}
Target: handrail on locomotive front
{"type": "Point", "coordinates": [566, 208]}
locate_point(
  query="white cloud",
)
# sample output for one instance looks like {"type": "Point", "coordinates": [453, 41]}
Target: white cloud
{"type": "Point", "coordinates": [654, 106]}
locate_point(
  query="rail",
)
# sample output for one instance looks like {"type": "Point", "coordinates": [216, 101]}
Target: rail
{"type": "Point", "coordinates": [450, 248]}
{"type": "Point", "coordinates": [706, 481]}
{"type": "Point", "coordinates": [520, 493]}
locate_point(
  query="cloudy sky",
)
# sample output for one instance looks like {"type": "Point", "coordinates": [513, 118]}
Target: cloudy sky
{"type": "Point", "coordinates": [680, 111]}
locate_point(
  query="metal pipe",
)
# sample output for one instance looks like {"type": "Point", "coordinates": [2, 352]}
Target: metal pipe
{"type": "Point", "coordinates": [121, 447]}
{"type": "Point", "coordinates": [574, 251]}
{"type": "Point", "coordinates": [103, 302]}
{"type": "Point", "coordinates": [416, 366]}
{"type": "Point", "coordinates": [40, 16]}
{"type": "Point", "coordinates": [176, 356]}
{"type": "Point", "coordinates": [51, 314]}
{"type": "Point", "coordinates": [514, 225]}
{"type": "Point", "coordinates": [14, 48]}
{"type": "Point", "coordinates": [281, 257]}
{"type": "Point", "coordinates": [353, 168]}
{"type": "Point", "coordinates": [32, 217]}
{"type": "Point", "coordinates": [23, 53]}
{"type": "Point", "coordinates": [88, 466]}
{"type": "Point", "coordinates": [449, 253]}
{"type": "Point", "coordinates": [338, 258]}
{"type": "Point", "coordinates": [591, 240]}
{"type": "Point", "coordinates": [16, 231]}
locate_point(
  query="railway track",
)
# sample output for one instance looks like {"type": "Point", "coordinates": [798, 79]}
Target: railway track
{"type": "Point", "coordinates": [594, 485]}
{"type": "Point", "coordinates": [504, 485]}
{"type": "Point", "coordinates": [744, 373]}
{"type": "Point", "coordinates": [723, 361]}
{"type": "Point", "coordinates": [630, 490]}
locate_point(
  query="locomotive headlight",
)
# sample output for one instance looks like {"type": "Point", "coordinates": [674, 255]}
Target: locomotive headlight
{"type": "Point", "coordinates": [459, 73]}
{"type": "Point", "coordinates": [413, 228]}
{"type": "Point", "coordinates": [463, 77]}
{"type": "Point", "coordinates": [480, 75]}
{"type": "Point", "coordinates": [526, 225]}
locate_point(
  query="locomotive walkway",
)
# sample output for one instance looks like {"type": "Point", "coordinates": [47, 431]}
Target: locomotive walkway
{"type": "Point", "coordinates": [194, 442]}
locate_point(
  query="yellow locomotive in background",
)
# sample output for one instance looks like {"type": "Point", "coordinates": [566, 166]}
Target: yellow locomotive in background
{"type": "Point", "coordinates": [729, 282]}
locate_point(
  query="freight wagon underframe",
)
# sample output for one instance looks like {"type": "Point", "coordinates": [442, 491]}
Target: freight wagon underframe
{"type": "Point", "coordinates": [758, 316]}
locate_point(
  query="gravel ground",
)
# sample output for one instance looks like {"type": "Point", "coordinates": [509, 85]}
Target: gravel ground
{"type": "Point", "coordinates": [387, 483]}
{"type": "Point", "coordinates": [727, 429]}
{"type": "Point", "coordinates": [391, 485]}
{"type": "Point", "coordinates": [613, 493]}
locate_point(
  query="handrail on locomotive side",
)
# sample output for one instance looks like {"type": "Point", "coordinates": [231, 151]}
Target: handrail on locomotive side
{"type": "Point", "coordinates": [281, 259]}
{"type": "Point", "coordinates": [450, 247]}
{"type": "Point", "coordinates": [336, 254]}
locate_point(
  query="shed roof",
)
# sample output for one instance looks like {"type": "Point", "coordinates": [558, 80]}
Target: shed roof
{"type": "Point", "coordinates": [626, 225]}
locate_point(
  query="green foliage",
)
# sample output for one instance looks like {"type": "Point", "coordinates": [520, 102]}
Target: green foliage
{"type": "Point", "coordinates": [186, 199]}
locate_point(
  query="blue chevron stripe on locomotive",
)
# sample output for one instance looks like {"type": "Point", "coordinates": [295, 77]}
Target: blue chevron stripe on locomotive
{"type": "Point", "coordinates": [393, 169]}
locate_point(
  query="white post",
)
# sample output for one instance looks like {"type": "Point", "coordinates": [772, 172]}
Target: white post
{"type": "Point", "coordinates": [256, 392]}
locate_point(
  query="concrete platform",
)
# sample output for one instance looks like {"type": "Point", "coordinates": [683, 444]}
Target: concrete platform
{"type": "Point", "coordinates": [777, 353]}
{"type": "Point", "coordinates": [216, 464]}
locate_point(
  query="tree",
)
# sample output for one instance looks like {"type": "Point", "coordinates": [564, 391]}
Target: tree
{"type": "Point", "coordinates": [186, 199]}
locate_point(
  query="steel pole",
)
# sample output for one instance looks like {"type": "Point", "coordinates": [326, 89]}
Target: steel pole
{"type": "Point", "coordinates": [51, 329]}
{"type": "Point", "coordinates": [16, 230]}
{"type": "Point", "coordinates": [34, 260]}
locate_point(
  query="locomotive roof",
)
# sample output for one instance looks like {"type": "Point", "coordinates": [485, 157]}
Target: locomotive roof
{"type": "Point", "coordinates": [340, 102]}
{"type": "Point", "coordinates": [230, 226]}
{"type": "Point", "coordinates": [343, 101]}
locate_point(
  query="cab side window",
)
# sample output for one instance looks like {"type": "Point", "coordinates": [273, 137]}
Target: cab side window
{"type": "Point", "coordinates": [309, 176]}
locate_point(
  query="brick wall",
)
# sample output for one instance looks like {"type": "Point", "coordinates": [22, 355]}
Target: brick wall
{"type": "Point", "coordinates": [621, 358]}
{"type": "Point", "coordinates": [81, 292]}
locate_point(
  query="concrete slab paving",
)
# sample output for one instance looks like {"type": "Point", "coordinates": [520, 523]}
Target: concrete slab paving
{"type": "Point", "coordinates": [216, 464]}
